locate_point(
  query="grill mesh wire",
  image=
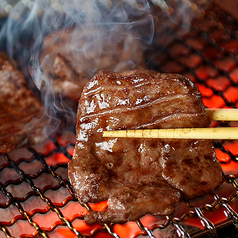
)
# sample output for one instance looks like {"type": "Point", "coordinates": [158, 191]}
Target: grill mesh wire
{"type": "Point", "coordinates": [207, 54]}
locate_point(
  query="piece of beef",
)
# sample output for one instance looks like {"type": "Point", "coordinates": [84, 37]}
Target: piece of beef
{"type": "Point", "coordinates": [132, 173]}
{"type": "Point", "coordinates": [132, 201]}
{"type": "Point", "coordinates": [21, 114]}
{"type": "Point", "coordinates": [70, 57]}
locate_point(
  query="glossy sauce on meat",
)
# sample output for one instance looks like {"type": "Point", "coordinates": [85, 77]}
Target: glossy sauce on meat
{"type": "Point", "coordinates": [148, 174]}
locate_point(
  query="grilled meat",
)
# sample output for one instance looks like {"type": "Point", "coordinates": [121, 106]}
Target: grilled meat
{"type": "Point", "coordinates": [72, 56]}
{"type": "Point", "coordinates": [132, 201]}
{"type": "Point", "coordinates": [20, 114]}
{"type": "Point", "coordinates": [140, 176]}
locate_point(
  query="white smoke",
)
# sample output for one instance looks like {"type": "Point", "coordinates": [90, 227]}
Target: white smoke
{"type": "Point", "coordinates": [94, 21]}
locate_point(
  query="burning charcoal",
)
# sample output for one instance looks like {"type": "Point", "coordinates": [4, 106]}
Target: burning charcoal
{"type": "Point", "coordinates": [133, 172]}
{"type": "Point", "coordinates": [22, 118]}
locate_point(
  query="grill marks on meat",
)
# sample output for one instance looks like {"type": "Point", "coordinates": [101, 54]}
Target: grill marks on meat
{"type": "Point", "coordinates": [72, 56]}
{"type": "Point", "coordinates": [140, 176]}
{"type": "Point", "coordinates": [19, 107]}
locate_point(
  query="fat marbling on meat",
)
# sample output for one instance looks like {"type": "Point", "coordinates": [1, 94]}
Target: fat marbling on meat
{"type": "Point", "coordinates": [140, 176]}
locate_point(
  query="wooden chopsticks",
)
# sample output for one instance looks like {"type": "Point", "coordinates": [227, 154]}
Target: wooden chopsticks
{"type": "Point", "coordinates": [227, 133]}
{"type": "Point", "coordinates": [223, 114]}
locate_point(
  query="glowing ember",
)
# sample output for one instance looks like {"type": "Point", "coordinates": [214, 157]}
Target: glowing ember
{"type": "Point", "coordinates": [216, 101]}
{"type": "Point", "coordinates": [206, 71]}
{"type": "Point", "coordinates": [219, 84]}
{"type": "Point", "coordinates": [226, 63]}
{"type": "Point", "coordinates": [205, 91]}
{"type": "Point", "coordinates": [192, 61]}
{"type": "Point", "coordinates": [234, 75]}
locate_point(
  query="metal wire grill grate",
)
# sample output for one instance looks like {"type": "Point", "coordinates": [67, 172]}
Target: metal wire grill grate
{"type": "Point", "coordinates": [217, 201]}
{"type": "Point", "coordinates": [36, 198]}
{"type": "Point", "coordinates": [205, 53]}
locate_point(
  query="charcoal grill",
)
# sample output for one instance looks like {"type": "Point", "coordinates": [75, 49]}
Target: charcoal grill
{"type": "Point", "coordinates": [37, 199]}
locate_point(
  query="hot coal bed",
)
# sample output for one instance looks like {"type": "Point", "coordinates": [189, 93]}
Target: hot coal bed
{"type": "Point", "coordinates": [37, 199]}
